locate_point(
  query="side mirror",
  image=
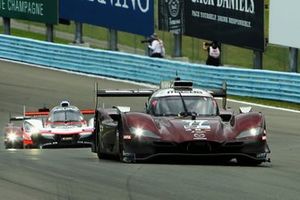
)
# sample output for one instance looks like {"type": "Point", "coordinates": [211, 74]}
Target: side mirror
{"type": "Point", "coordinates": [245, 109]}
{"type": "Point", "coordinates": [146, 108]}
{"type": "Point", "coordinates": [226, 115]}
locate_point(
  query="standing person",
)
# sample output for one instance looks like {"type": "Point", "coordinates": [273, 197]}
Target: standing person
{"type": "Point", "coordinates": [156, 47]}
{"type": "Point", "coordinates": [214, 53]}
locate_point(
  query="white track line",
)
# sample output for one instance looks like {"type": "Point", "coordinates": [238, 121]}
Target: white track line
{"type": "Point", "coordinates": [142, 84]}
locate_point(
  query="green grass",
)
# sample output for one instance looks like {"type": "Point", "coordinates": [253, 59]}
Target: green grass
{"type": "Point", "coordinates": [26, 34]}
{"type": "Point", "coordinates": [281, 104]}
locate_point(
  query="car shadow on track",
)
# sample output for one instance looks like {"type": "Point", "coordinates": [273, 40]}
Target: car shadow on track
{"type": "Point", "coordinates": [189, 161]}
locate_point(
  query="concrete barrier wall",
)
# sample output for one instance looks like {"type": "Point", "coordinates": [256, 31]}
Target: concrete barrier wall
{"type": "Point", "coordinates": [241, 82]}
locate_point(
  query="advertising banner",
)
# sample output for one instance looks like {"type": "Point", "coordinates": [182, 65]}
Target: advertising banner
{"type": "Point", "coordinates": [170, 15]}
{"type": "Point", "coordinates": [284, 23]}
{"type": "Point", "coordinates": [133, 16]}
{"type": "Point", "coordinates": [236, 22]}
{"type": "Point", "coordinates": [44, 11]}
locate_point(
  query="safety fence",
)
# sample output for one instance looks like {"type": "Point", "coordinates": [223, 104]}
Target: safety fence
{"type": "Point", "coordinates": [241, 82]}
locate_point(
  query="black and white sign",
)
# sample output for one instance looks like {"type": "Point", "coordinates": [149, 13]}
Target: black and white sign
{"type": "Point", "coordinates": [236, 22]}
{"type": "Point", "coordinates": [171, 15]}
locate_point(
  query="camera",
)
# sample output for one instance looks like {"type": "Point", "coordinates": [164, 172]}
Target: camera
{"type": "Point", "coordinates": [148, 40]}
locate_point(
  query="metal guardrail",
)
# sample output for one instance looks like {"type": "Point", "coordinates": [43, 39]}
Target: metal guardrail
{"type": "Point", "coordinates": [242, 82]}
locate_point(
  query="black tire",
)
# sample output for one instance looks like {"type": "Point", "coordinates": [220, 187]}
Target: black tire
{"type": "Point", "coordinates": [95, 133]}
{"type": "Point", "coordinates": [29, 146]}
{"type": "Point", "coordinates": [243, 161]}
{"type": "Point", "coordinates": [19, 146]}
{"type": "Point", "coordinates": [9, 146]}
{"type": "Point", "coordinates": [120, 141]}
{"type": "Point", "coordinates": [123, 156]}
{"type": "Point", "coordinates": [100, 153]}
{"type": "Point", "coordinates": [222, 161]}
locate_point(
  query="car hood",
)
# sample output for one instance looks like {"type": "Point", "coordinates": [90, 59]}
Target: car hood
{"type": "Point", "coordinates": [67, 128]}
{"type": "Point", "coordinates": [179, 129]}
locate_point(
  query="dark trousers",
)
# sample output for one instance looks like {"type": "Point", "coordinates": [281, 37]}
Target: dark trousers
{"type": "Point", "coordinates": [156, 55]}
{"type": "Point", "coordinates": [213, 61]}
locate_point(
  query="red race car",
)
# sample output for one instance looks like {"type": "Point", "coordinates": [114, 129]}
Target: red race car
{"type": "Point", "coordinates": [13, 133]}
{"type": "Point", "coordinates": [180, 120]}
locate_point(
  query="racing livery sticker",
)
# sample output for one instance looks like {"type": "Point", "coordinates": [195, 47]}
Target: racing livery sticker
{"type": "Point", "coordinates": [197, 127]}
{"type": "Point", "coordinates": [195, 124]}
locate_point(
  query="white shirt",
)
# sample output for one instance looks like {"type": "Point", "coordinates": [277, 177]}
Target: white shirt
{"type": "Point", "coordinates": [157, 46]}
{"type": "Point", "coordinates": [215, 53]}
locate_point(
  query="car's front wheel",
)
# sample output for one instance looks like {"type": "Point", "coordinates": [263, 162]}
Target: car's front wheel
{"type": "Point", "coordinates": [100, 153]}
{"type": "Point", "coordinates": [123, 155]}
{"type": "Point", "coordinates": [244, 161]}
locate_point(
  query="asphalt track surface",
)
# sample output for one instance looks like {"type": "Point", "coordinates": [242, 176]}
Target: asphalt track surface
{"type": "Point", "coordinates": [59, 174]}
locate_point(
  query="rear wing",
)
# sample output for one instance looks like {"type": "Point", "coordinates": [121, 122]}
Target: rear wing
{"type": "Point", "coordinates": [220, 93]}
{"type": "Point", "coordinates": [45, 114]}
{"type": "Point", "coordinates": [87, 112]}
{"type": "Point", "coordinates": [36, 114]}
{"type": "Point", "coordinates": [125, 93]}
{"type": "Point", "coordinates": [18, 118]}
{"type": "Point", "coordinates": [121, 93]}
{"type": "Point", "coordinates": [42, 112]}
{"type": "Point", "coordinates": [29, 115]}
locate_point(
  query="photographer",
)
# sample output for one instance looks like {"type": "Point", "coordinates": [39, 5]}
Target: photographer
{"type": "Point", "coordinates": [214, 53]}
{"type": "Point", "coordinates": [155, 46]}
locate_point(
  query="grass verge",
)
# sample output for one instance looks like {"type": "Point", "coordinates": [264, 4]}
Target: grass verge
{"type": "Point", "coordinates": [36, 36]}
{"type": "Point", "coordinates": [281, 104]}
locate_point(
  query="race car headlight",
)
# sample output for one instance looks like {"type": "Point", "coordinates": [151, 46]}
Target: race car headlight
{"type": "Point", "coordinates": [12, 136]}
{"type": "Point", "coordinates": [253, 132]}
{"type": "Point", "coordinates": [142, 132]}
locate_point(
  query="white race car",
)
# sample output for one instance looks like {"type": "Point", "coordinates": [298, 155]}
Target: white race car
{"type": "Point", "coordinates": [63, 126]}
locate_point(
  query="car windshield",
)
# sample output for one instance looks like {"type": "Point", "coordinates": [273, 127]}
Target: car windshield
{"type": "Point", "coordinates": [66, 116]}
{"type": "Point", "coordinates": [174, 105]}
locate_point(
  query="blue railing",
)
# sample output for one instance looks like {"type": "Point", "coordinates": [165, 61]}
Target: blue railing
{"type": "Point", "coordinates": [242, 82]}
